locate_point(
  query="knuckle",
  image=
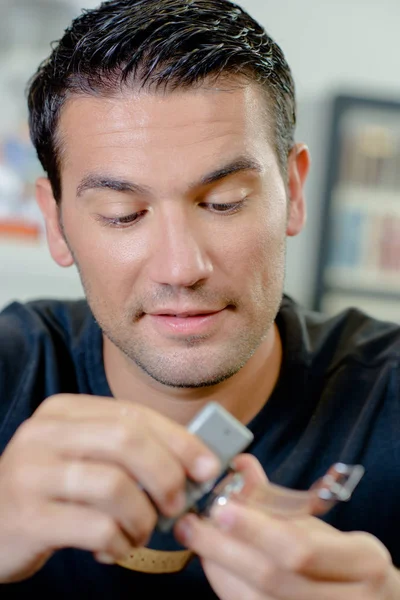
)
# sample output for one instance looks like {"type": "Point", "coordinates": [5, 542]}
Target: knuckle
{"type": "Point", "coordinates": [144, 526]}
{"type": "Point", "coordinates": [150, 519]}
{"type": "Point", "coordinates": [50, 403]}
{"type": "Point", "coordinates": [194, 447]}
{"type": "Point", "coordinates": [301, 558]}
{"type": "Point", "coordinates": [114, 484]}
{"type": "Point", "coordinates": [188, 446]}
{"type": "Point", "coordinates": [378, 572]}
{"type": "Point", "coordinates": [167, 496]}
{"type": "Point", "coordinates": [174, 480]}
{"type": "Point", "coordinates": [377, 569]}
{"type": "Point", "coordinates": [132, 411]}
{"type": "Point", "coordinates": [26, 432]}
{"type": "Point", "coordinates": [127, 438]}
{"type": "Point", "coordinates": [107, 533]}
{"type": "Point", "coordinates": [35, 430]}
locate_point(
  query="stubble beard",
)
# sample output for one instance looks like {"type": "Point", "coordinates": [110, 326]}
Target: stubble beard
{"type": "Point", "coordinates": [196, 362]}
{"type": "Point", "coordinates": [208, 366]}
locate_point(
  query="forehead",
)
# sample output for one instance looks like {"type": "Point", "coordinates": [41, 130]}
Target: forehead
{"type": "Point", "coordinates": [144, 131]}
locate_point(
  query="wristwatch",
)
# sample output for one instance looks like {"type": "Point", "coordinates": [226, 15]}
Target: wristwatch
{"type": "Point", "coordinates": [147, 560]}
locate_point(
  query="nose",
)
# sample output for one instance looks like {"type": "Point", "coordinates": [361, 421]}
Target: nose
{"type": "Point", "coordinates": [180, 257]}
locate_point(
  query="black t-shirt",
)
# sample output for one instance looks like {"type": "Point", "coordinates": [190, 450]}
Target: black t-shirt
{"type": "Point", "coordinates": [337, 399]}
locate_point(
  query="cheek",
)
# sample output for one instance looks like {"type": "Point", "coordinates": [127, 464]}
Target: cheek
{"type": "Point", "coordinates": [257, 248]}
{"type": "Point", "coordinates": [108, 260]}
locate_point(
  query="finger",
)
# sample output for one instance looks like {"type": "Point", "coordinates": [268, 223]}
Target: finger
{"type": "Point", "coordinates": [251, 469]}
{"type": "Point", "coordinates": [105, 487]}
{"type": "Point", "coordinates": [199, 462]}
{"type": "Point", "coordinates": [256, 570]}
{"type": "Point", "coordinates": [136, 452]}
{"type": "Point", "coordinates": [112, 492]}
{"type": "Point", "coordinates": [315, 551]}
{"type": "Point", "coordinates": [229, 585]}
{"type": "Point", "coordinates": [64, 525]}
{"type": "Point", "coordinates": [254, 476]}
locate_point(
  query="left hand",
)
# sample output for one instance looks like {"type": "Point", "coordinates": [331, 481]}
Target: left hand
{"type": "Point", "coordinates": [250, 555]}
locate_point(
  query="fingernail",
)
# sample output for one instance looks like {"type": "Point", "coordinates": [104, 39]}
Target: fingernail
{"type": "Point", "coordinates": [206, 467]}
{"type": "Point", "coordinates": [224, 515]}
{"type": "Point", "coordinates": [183, 530]}
{"type": "Point", "coordinates": [105, 558]}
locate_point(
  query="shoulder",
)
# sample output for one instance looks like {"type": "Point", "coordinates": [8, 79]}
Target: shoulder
{"type": "Point", "coordinates": [22, 325]}
{"type": "Point", "coordinates": [351, 335]}
{"type": "Point", "coordinates": [42, 332]}
{"type": "Point", "coordinates": [38, 344]}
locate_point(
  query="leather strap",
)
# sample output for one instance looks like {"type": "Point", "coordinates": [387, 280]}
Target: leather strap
{"type": "Point", "coordinates": [146, 560]}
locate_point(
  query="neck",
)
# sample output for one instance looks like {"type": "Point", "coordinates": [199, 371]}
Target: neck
{"type": "Point", "coordinates": [243, 394]}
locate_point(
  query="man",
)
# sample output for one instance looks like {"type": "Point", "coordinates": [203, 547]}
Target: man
{"type": "Point", "coordinates": [166, 129]}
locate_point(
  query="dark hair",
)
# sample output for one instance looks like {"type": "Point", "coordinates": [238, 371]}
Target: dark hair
{"type": "Point", "coordinates": [162, 43]}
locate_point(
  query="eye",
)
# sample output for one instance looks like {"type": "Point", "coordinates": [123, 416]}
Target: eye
{"type": "Point", "coordinates": [121, 222]}
{"type": "Point", "coordinates": [224, 207]}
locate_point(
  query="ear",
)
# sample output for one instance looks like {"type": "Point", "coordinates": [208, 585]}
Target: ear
{"type": "Point", "coordinates": [298, 166]}
{"type": "Point", "coordinates": [55, 237]}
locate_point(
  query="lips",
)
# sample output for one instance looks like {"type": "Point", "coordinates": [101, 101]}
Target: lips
{"type": "Point", "coordinates": [186, 322]}
{"type": "Point", "coordinates": [182, 314]}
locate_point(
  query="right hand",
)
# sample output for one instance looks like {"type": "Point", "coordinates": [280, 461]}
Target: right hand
{"type": "Point", "coordinates": [74, 475]}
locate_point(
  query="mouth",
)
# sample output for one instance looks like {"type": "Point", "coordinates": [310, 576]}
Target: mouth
{"type": "Point", "coordinates": [185, 314]}
{"type": "Point", "coordinates": [186, 322]}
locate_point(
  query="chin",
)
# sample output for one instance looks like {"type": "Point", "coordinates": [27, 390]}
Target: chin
{"type": "Point", "coordinates": [190, 380]}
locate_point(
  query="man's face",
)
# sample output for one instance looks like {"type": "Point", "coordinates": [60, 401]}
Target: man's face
{"type": "Point", "coordinates": [175, 211]}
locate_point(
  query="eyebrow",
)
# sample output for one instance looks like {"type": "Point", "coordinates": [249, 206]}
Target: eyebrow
{"type": "Point", "coordinates": [240, 164]}
{"type": "Point", "coordinates": [92, 181]}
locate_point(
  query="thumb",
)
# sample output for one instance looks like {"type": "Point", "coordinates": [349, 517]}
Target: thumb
{"type": "Point", "coordinates": [250, 468]}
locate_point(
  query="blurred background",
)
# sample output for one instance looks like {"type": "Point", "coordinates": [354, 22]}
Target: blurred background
{"type": "Point", "coordinates": [345, 57]}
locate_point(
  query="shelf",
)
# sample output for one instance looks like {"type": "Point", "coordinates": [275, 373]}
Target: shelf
{"type": "Point", "coordinates": [373, 201]}
{"type": "Point", "coordinates": [379, 308]}
{"type": "Point", "coordinates": [362, 279]}
{"type": "Point", "coordinates": [359, 258]}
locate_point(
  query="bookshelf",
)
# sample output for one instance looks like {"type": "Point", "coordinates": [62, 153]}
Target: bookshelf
{"type": "Point", "coordinates": [359, 259]}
